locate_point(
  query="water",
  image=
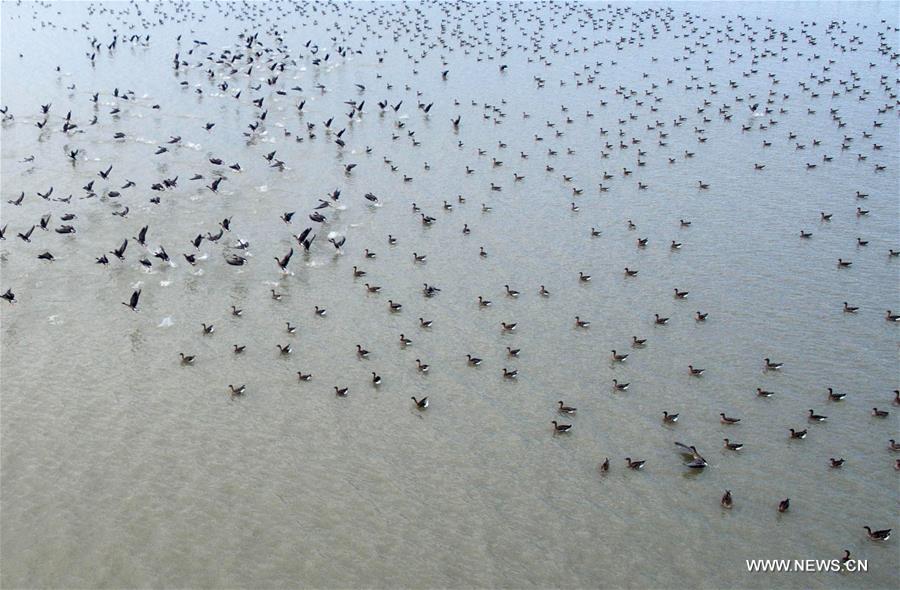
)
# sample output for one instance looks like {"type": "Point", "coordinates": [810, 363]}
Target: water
{"type": "Point", "coordinates": [123, 468]}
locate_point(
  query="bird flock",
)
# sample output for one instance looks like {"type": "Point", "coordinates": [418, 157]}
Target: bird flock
{"type": "Point", "coordinates": [359, 93]}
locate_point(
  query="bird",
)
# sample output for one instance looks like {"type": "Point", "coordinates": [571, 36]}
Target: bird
{"type": "Point", "coordinates": [733, 446]}
{"type": "Point", "coordinates": [772, 366]}
{"type": "Point", "coordinates": [784, 505]}
{"type": "Point", "coordinates": [670, 418]}
{"type": "Point", "coordinates": [813, 417]}
{"type": "Point", "coordinates": [283, 262]}
{"type": "Point", "coordinates": [564, 409]}
{"type": "Point", "coordinates": [341, 391]}
{"type": "Point", "coordinates": [133, 302]}
{"type": "Point", "coordinates": [561, 428]}
{"type": "Point", "coordinates": [799, 434]}
{"type": "Point", "coordinates": [728, 420]}
{"type": "Point", "coordinates": [27, 235]}
{"type": "Point", "coordinates": [186, 359]}
{"type": "Point", "coordinates": [421, 404]}
{"type": "Point", "coordinates": [882, 535]}
{"type": "Point", "coordinates": [727, 501]}
{"type": "Point", "coordinates": [835, 396]}
{"type": "Point", "coordinates": [635, 465]}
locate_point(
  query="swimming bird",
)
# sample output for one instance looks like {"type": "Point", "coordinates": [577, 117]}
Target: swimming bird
{"type": "Point", "coordinates": [784, 505]}
{"type": "Point", "coordinates": [727, 501]}
{"type": "Point", "coordinates": [733, 446]}
{"type": "Point", "coordinates": [728, 420]}
{"type": "Point", "coordinates": [564, 409]}
{"type": "Point", "coordinates": [882, 535]}
{"type": "Point", "coordinates": [421, 404]}
{"type": "Point", "coordinates": [813, 417]}
{"type": "Point", "coordinates": [635, 465]}
{"type": "Point", "coordinates": [561, 428]}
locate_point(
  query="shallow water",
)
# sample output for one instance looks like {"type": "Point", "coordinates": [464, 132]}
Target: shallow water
{"type": "Point", "coordinates": [123, 468]}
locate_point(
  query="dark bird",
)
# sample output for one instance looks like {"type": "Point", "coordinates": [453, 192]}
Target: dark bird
{"type": "Point", "coordinates": [283, 262]}
{"type": "Point", "coordinates": [133, 303]}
